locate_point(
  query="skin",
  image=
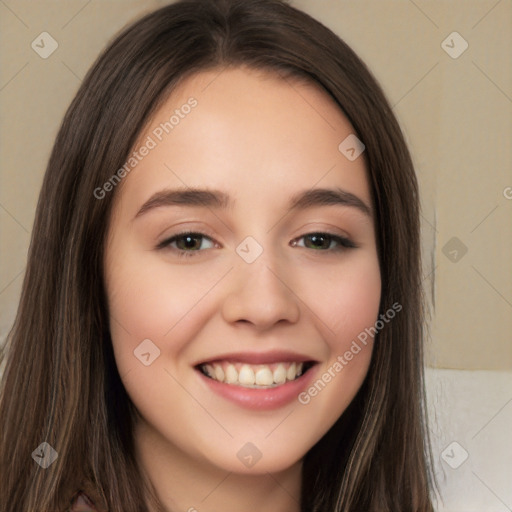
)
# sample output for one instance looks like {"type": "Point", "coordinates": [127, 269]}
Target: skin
{"type": "Point", "coordinates": [261, 139]}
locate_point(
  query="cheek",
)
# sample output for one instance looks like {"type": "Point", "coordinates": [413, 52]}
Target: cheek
{"type": "Point", "coordinates": [345, 300]}
{"type": "Point", "coordinates": [150, 299]}
{"type": "Point", "coordinates": [346, 304]}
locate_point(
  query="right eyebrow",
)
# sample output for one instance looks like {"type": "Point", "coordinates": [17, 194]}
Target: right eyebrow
{"type": "Point", "coordinates": [186, 197]}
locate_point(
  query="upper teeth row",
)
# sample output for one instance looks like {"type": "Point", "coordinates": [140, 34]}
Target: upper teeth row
{"type": "Point", "coordinates": [253, 375]}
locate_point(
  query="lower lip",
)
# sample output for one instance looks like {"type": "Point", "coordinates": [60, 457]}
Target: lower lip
{"type": "Point", "coordinates": [260, 399]}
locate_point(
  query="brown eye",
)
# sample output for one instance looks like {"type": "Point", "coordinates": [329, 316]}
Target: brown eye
{"type": "Point", "coordinates": [318, 241]}
{"type": "Point", "coordinates": [323, 242]}
{"type": "Point", "coordinates": [188, 242]}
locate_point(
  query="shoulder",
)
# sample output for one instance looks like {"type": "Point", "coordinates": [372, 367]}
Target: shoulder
{"type": "Point", "coordinates": [82, 503]}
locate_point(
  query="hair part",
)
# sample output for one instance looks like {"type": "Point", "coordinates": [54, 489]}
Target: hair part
{"type": "Point", "coordinates": [61, 383]}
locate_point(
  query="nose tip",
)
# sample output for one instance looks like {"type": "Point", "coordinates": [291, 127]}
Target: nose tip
{"type": "Point", "coordinates": [260, 296]}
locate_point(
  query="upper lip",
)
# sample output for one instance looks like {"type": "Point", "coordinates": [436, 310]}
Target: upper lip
{"type": "Point", "coordinates": [275, 356]}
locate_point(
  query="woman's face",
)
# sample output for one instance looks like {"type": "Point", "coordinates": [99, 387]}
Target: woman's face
{"type": "Point", "coordinates": [277, 275]}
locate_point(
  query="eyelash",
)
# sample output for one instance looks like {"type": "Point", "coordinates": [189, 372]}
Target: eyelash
{"type": "Point", "coordinates": [343, 242]}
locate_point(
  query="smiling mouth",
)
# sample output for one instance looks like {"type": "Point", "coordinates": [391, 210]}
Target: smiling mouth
{"type": "Point", "coordinates": [255, 376]}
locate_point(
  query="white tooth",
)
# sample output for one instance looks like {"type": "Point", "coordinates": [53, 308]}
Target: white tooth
{"type": "Point", "coordinates": [264, 377]}
{"type": "Point", "coordinates": [280, 374]}
{"type": "Point", "coordinates": [219, 373]}
{"type": "Point", "coordinates": [299, 369]}
{"type": "Point", "coordinates": [231, 374]}
{"type": "Point", "coordinates": [246, 375]}
{"type": "Point", "coordinates": [292, 372]}
{"type": "Point", "coordinates": [208, 368]}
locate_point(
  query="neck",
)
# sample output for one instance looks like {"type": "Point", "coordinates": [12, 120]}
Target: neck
{"type": "Point", "coordinates": [183, 483]}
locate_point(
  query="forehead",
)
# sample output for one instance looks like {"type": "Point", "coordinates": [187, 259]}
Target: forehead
{"type": "Point", "coordinates": [249, 132]}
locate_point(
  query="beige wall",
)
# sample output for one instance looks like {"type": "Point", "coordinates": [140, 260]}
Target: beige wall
{"type": "Point", "coordinates": [456, 114]}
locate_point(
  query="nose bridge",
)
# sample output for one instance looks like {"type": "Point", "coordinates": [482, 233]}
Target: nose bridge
{"type": "Point", "coordinates": [258, 292]}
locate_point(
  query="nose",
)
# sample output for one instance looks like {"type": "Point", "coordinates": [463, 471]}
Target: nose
{"type": "Point", "coordinates": [261, 296]}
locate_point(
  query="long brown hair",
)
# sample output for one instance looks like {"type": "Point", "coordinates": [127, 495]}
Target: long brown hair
{"type": "Point", "coordinates": [61, 383]}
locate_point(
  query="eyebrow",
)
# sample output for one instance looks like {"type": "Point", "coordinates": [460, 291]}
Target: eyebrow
{"type": "Point", "coordinates": [220, 200]}
{"type": "Point", "coordinates": [327, 197]}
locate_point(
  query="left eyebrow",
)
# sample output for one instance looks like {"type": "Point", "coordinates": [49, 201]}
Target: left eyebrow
{"type": "Point", "coordinates": [328, 197]}
{"type": "Point", "coordinates": [220, 200]}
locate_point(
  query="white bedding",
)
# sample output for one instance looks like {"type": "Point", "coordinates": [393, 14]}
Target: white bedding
{"type": "Point", "coordinates": [471, 427]}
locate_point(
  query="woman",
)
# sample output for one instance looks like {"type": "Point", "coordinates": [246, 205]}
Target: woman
{"type": "Point", "coordinates": [222, 304]}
